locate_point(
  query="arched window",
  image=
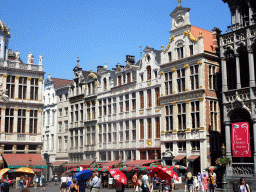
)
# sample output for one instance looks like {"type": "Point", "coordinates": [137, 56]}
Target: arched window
{"type": "Point", "coordinates": [104, 84]}
{"type": "Point", "coordinates": [244, 66]}
{"type": "Point", "coordinates": [231, 69]}
{"type": "Point", "coordinates": [148, 72]}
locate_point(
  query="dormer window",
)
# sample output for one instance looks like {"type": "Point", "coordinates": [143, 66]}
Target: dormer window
{"type": "Point", "coordinates": [170, 56]}
{"type": "Point", "coordinates": [191, 50]}
{"type": "Point", "coordinates": [104, 84]}
{"type": "Point", "coordinates": [119, 80]}
{"type": "Point", "coordinates": [128, 77]}
{"type": "Point", "coordinates": [180, 52]}
{"type": "Point", "coordinates": [148, 72]}
{"type": "Point", "coordinates": [141, 78]}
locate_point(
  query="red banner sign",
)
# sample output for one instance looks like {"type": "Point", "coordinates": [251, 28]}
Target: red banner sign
{"type": "Point", "coordinates": [241, 139]}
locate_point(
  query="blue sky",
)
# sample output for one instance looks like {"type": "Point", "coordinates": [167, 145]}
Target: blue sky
{"type": "Point", "coordinates": [98, 31]}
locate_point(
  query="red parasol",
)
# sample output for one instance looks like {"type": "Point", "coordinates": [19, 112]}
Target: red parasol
{"type": "Point", "coordinates": [164, 173]}
{"type": "Point", "coordinates": [118, 175]}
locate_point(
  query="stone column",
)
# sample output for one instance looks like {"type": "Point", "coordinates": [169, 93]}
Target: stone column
{"type": "Point", "coordinates": [251, 68]}
{"type": "Point", "coordinates": [28, 88]}
{"type": "Point", "coordinates": [174, 81]}
{"type": "Point", "coordinates": [201, 74]}
{"type": "Point", "coordinates": [16, 92]}
{"type": "Point", "coordinates": [238, 74]}
{"type": "Point", "coordinates": [27, 121]}
{"type": "Point", "coordinates": [224, 74]}
{"type": "Point", "coordinates": [3, 121]}
{"type": "Point", "coordinates": [15, 120]}
{"type": "Point", "coordinates": [228, 139]}
{"type": "Point", "coordinates": [202, 111]}
{"type": "Point", "coordinates": [187, 79]}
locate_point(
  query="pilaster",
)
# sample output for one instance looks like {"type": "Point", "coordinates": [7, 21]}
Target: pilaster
{"type": "Point", "coordinates": [238, 74]}
{"type": "Point", "coordinates": [224, 74]}
{"type": "Point", "coordinates": [174, 81]}
{"type": "Point", "coordinates": [27, 121]}
{"type": "Point", "coordinates": [15, 120]}
{"type": "Point", "coordinates": [16, 91]}
{"type": "Point", "coordinates": [251, 68]}
{"type": "Point", "coordinates": [201, 74]}
{"type": "Point", "coordinates": [202, 111]}
{"type": "Point", "coordinates": [28, 88]}
{"type": "Point", "coordinates": [3, 119]}
{"type": "Point", "coordinates": [187, 79]}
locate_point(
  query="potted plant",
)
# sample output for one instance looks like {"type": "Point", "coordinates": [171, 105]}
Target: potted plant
{"type": "Point", "coordinates": [223, 161]}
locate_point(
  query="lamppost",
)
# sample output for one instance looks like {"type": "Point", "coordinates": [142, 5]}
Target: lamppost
{"type": "Point", "coordinates": [224, 181]}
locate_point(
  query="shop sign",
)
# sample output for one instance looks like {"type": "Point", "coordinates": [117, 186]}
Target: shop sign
{"type": "Point", "coordinates": [241, 139]}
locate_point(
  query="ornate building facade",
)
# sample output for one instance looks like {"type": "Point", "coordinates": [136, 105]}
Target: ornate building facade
{"type": "Point", "coordinates": [189, 95]}
{"type": "Point", "coordinates": [21, 105]}
{"type": "Point", "coordinates": [238, 60]}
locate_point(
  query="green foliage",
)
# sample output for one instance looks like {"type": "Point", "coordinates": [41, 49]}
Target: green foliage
{"type": "Point", "coordinates": [223, 161]}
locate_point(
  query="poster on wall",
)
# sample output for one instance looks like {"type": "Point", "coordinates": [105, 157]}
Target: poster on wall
{"type": "Point", "coordinates": [241, 139]}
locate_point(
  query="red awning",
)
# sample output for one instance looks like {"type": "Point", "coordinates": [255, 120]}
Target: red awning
{"type": "Point", "coordinates": [193, 157]}
{"type": "Point", "coordinates": [58, 163]}
{"type": "Point", "coordinates": [86, 163]}
{"type": "Point", "coordinates": [24, 160]}
{"type": "Point", "coordinates": [110, 163]}
{"type": "Point", "coordinates": [138, 163]}
{"type": "Point", "coordinates": [178, 158]}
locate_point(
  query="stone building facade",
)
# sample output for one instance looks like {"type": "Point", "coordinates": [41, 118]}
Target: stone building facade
{"type": "Point", "coordinates": [190, 118]}
{"type": "Point", "coordinates": [238, 61]}
{"type": "Point", "coordinates": [21, 101]}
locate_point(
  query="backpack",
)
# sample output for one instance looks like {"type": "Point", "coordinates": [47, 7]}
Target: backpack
{"type": "Point", "coordinates": [6, 187]}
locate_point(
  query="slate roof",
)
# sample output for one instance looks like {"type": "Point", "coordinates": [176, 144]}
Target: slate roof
{"type": "Point", "coordinates": [61, 82]}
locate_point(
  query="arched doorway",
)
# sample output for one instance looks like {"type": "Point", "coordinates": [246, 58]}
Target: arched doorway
{"type": "Point", "coordinates": [242, 115]}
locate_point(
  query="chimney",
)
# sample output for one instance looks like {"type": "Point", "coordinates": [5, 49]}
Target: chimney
{"type": "Point", "coordinates": [130, 59]}
{"type": "Point", "coordinates": [215, 34]}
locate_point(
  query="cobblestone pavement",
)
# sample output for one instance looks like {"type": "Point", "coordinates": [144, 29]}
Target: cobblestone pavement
{"type": "Point", "coordinates": [55, 188]}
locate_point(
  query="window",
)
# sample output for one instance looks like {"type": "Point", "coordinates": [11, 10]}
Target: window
{"type": "Point", "coordinates": [195, 114]}
{"type": "Point", "coordinates": [157, 121]}
{"type": "Point", "coordinates": [66, 143]}
{"type": "Point", "coordinates": [169, 146]}
{"type": "Point", "coordinates": [72, 114]}
{"type": "Point", "coordinates": [48, 117]}
{"type": "Point", "coordinates": [66, 96]}
{"type": "Point", "coordinates": [149, 129]}
{"type": "Point", "coordinates": [66, 110]}
{"type": "Point", "coordinates": [127, 102]}
{"type": "Point", "coordinates": [148, 72]}
{"type": "Point", "coordinates": [33, 119]}
{"type": "Point", "coordinates": [141, 129]}
{"type": "Point", "coordinates": [194, 77]}
{"type": "Point", "coordinates": [60, 126]}
{"type": "Point", "coordinates": [53, 97]}
{"type": "Point", "coordinates": [121, 136]}
{"type": "Point", "coordinates": [128, 77]}
{"type": "Point", "coordinates": [59, 143]}
{"type": "Point", "coordinates": [52, 142]}
{"type": "Point", "coordinates": [214, 115]}
{"type": "Point", "coordinates": [22, 88]}
{"type": "Point", "coordinates": [133, 130]}
{"type": "Point", "coordinates": [143, 155]}
{"type": "Point", "coordinates": [180, 52]}
{"type": "Point", "coordinates": [141, 100]}
{"type": "Point", "coordinates": [149, 98]}
{"type": "Point", "coordinates": [76, 113]}
{"type": "Point", "coordinates": [169, 117]}
{"type": "Point", "coordinates": [191, 50]}
{"type": "Point", "coordinates": [182, 146]}
{"type": "Point", "coordinates": [104, 84]}
{"type": "Point", "coordinates": [21, 121]}
{"type": "Point", "coordinates": [66, 126]}
{"type": "Point", "coordinates": [170, 56]}
{"type": "Point", "coordinates": [34, 89]}
{"type": "Point", "coordinates": [81, 112]}
{"type": "Point", "coordinates": [10, 86]}
{"type": "Point", "coordinates": [181, 80]}
{"type": "Point", "coordinates": [157, 96]}
{"type": "Point", "coordinates": [155, 72]}
{"type": "Point", "coordinates": [53, 117]}
{"type": "Point", "coordinates": [60, 98]}
{"type": "Point", "coordinates": [141, 78]}
{"type": "Point", "coordinates": [195, 145]}
{"type": "Point", "coordinates": [60, 112]}
{"type": "Point", "coordinates": [100, 108]}
{"type": "Point", "coordinates": [127, 135]}
{"type": "Point", "coordinates": [168, 83]}
{"type": "Point", "coordinates": [133, 101]}
{"type": "Point", "coordinates": [93, 111]}
{"type": "Point", "coordinates": [114, 105]}
{"type": "Point", "coordinates": [182, 116]}
{"type": "Point", "coordinates": [212, 77]}
{"type": "Point", "coordinates": [121, 104]}
{"type": "Point", "coordinates": [119, 80]}
{"type": "Point", "coordinates": [109, 106]}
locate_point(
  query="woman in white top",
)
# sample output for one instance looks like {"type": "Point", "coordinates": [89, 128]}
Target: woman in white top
{"type": "Point", "coordinates": [196, 184]}
{"type": "Point", "coordinates": [63, 184]}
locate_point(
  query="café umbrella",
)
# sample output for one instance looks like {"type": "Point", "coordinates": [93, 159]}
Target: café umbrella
{"type": "Point", "coordinates": [85, 173]}
{"type": "Point", "coordinates": [25, 170]}
{"type": "Point", "coordinates": [3, 171]}
{"type": "Point", "coordinates": [118, 175]}
{"type": "Point", "coordinates": [164, 173]}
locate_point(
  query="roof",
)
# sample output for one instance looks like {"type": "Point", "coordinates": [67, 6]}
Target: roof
{"type": "Point", "coordinates": [110, 163]}
{"type": "Point", "coordinates": [58, 163]}
{"type": "Point", "coordinates": [87, 162]}
{"type": "Point", "coordinates": [71, 165]}
{"type": "Point", "coordinates": [193, 157]}
{"type": "Point", "coordinates": [207, 35]}
{"type": "Point", "coordinates": [61, 82]}
{"type": "Point", "coordinates": [23, 160]}
{"type": "Point", "coordinates": [140, 162]}
{"type": "Point", "coordinates": [178, 158]}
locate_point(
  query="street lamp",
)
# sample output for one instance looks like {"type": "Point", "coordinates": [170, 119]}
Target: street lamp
{"type": "Point", "coordinates": [224, 181]}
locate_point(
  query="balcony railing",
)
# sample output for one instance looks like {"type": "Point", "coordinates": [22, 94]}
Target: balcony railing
{"type": "Point", "coordinates": [243, 168]}
{"type": "Point", "coordinates": [21, 137]}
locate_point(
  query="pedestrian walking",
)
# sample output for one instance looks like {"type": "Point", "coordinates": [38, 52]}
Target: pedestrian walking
{"type": "Point", "coordinates": [135, 181]}
{"type": "Point", "coordinates": [139, 188]}
{"type": "Point", "coordinates": [21, 183]}
{"type": "Point", "coordinates": [95, 182]}
{"type": "Point", "coordinates": [74, 187]}
{"type": "Point", "coordinates": [190, 182]}
{"type": "Point", "coordinates": [156, 183]}
{"type": "Point", "coordinates": [196, 184]}
{"type": "Point", "coordinates": [199, 180]}
{"type": "Point", "coordinates": [211, 182]}
{"type": "Point", "coordinates": [69, 180]}
{"type": "Point", "coordinates": [205, 183]}
{"type": "Point", "coordinates": [145, 183]}
{"type": "Point", "coordinates": [63, 182]}
{"type": "Point", "coordinates": [167, 187]}
{"type": "Point", "coordinates": [42, 182]}
{"type": "Point", "coordinates": [244, 187]}
{"type": "Point", "coordinates": [35, 180]}
{"type": "Point", "coordinates": [81, 183]}
{"type": "Point", "coordinates": [185, 181]}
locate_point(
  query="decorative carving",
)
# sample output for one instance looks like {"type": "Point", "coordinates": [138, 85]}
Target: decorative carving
{"type": "Point", "coordinates": [186, 66]}
{"type": "Point", "coordinates": [3, 108]}
{"type": "Point", "coordinates": [201, 128]}
{"type": "Point", "coordinates": [162, 105]}
{"type": "Point", "coordinates": [187, 101]}
{"type": "Point", "coordinates": [3, 92]}
{"type": "Point", "coordinates": [161, 73]}
{"type": "Point", "coordinates": [149, 83]}
{"type": "Point", "coordinates": [5, 75]}
{"type": "Point", "coordinates": [41, 80]}
{"type": "Point", "coordinates": [149, 143]}
{"type": "Point", "coordinates": [16, 109]}
{"type": "Point", "coordinates": [121, 91]}
{"type": "Point", "coordinates": [201, 87]}
{"type": "Point", "coordinates": [133, 87]}
{"type": "Point", "coordinates": [173, 69]}
{"type": "Point", "coordinates": [175, 131]}
{"type": "Point", "coordinates": [187, 89]}
{"type": "Point", "coordinates": [157, 110]}
{"type": "Point", "coordinates": [28, 110]}
{"type": "Point", "coordinates": [174, 103]}
{"type": "Point", "coordinates": [200, 98]}
{"type": "Point", "coordinates": [17, 77]}
{"type": "Point", "coordinates": [188, 129]}
{"type": "Point", "coordinates": [40, 111]}
{"type": "Point", "coordinates": [199, 62]}
{"type": "Point", "coordinates": [126, 89]}
{"type": "Point", "coordinates": [141, 112]}
{"type": "Point", "coordinates": [29, 78]}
